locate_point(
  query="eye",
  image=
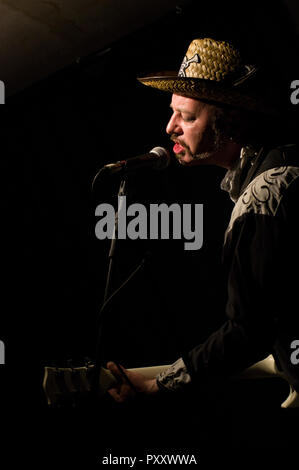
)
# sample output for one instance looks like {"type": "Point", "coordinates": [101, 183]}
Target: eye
{"type": "Point", "coordinates": [188, 118]}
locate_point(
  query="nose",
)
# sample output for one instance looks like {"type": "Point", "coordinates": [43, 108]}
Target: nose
{"type": "Point", "coordinates": [173, 126]}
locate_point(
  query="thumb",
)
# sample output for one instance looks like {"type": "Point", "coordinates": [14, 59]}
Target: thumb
{"type": "Point", "coordinates": [114, 368]}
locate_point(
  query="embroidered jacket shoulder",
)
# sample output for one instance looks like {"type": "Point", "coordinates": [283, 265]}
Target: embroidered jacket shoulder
{"type": "Point", "coordinates": [264, 193]}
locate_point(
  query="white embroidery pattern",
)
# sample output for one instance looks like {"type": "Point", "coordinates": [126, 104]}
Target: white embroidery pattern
{"type": "Point", "coordinates": [185, 64]}
{"type": "Point", "coordinates": [175, 377]}
{"type": "Point", "coordinates": [264, 193]}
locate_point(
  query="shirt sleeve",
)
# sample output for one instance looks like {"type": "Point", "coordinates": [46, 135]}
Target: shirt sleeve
{"type": "Point", "coordinates": [174, 378]}
{"type": "Point", "coordinates": [261, 253]}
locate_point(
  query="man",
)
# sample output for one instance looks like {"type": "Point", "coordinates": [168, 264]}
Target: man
{"type": "Point", "coordinates": [217, 119]}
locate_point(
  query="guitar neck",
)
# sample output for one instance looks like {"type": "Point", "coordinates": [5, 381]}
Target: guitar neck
{"type": "Point", "coordinates": [70, 382]}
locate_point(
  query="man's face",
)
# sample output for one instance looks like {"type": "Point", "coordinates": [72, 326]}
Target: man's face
{"type": "Point", "coordinates": [191, 128]}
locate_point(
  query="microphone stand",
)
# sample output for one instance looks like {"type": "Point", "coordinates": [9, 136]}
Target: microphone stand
{"type": "Point", "coordinates": [121, 192]}
{"type": "Point", "coordinates": [107, 295]}
{"type": "Point", "coordinates": [111, 257]}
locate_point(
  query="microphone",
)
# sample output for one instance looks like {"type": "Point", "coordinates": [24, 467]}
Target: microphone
{"type": "Point", "coordinates": [158, 158]}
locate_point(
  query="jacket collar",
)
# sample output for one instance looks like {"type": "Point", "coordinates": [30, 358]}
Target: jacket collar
{"type": "Point", "coordinates": [234, 179]}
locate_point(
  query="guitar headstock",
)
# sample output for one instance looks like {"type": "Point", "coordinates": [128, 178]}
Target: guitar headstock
{"type": "Point", "coordinates": [68, 386]}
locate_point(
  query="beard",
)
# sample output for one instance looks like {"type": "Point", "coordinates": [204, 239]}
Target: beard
{"type": "Point", "coordinates": [212, 141]}
{"type": "Point", "coordinates": [216, 145]}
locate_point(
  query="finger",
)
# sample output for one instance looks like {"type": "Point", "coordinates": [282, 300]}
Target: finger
{"type": "Point", "coordinates": [115, 394]}
{"type": "Point", "coordinates": [125, 387]}
{"type": "Point", "coordinates": [115, 370]}
{"type": "Point", "coordinates": [119, 372]}
{"type": "Point", "coordinates": [121, 395]}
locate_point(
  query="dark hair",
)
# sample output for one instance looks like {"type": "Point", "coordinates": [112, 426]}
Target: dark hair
{"type": "Point", "coordinates": [252, 128]}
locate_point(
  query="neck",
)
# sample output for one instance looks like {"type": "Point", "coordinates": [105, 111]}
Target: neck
{"type": "Point", "coordinates": [227, 157]}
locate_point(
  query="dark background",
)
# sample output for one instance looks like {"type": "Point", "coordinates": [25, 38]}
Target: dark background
{"type": "Point", "coordinates": [56, 135]}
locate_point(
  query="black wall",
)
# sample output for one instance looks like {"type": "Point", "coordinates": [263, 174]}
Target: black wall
{"type": "Point", "coordinates": [57, 135]}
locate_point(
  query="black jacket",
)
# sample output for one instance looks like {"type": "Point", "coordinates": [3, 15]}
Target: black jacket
{"type": "Point", "coordinates": [261, 259]}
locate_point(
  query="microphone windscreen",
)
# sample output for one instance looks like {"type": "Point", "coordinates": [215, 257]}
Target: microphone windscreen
{"type": "Point", "coordinates": [164, 157]}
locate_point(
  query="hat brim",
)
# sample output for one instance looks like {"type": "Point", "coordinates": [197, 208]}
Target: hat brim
{"type": "Point", "coordinates": [207, 90]}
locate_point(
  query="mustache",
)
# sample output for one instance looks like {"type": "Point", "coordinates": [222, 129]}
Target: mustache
{"type": "Point", "coordinates": [174, 138]}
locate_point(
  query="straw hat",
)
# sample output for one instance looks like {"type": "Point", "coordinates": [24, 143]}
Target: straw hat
{"type": "Point", "coordinates": [212, 71]}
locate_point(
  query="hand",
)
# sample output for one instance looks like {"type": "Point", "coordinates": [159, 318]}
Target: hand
{"type": "Point", "coordinates": [124, 390]}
